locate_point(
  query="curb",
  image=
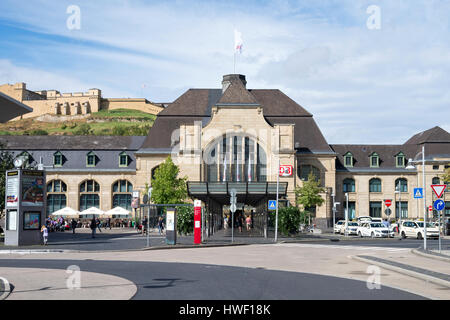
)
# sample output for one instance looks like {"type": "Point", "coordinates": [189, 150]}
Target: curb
{"type": "Point", "coordinates": [30, 251]}
{"type": "Point", "coordinates": [435, 256]}
{"type": "Point", "coordinates": [413, 274]}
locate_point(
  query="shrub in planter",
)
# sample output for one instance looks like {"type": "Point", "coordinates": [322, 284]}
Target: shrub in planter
{"type": "Point", "coordinates": [185, 220]}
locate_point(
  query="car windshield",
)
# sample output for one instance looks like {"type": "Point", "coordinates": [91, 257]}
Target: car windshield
{"type": "Point", "coordinates": [352, 224]}
{"type": "Point", "coordinates": [429, 225]}
{"type": "Point", "coordinates": [377, 225]}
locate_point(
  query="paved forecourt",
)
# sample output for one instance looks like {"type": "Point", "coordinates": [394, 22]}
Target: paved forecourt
{"type": "Point", "coordinates": [320, 271]}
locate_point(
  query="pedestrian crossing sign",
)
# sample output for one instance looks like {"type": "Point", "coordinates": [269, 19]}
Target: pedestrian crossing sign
{"type": "Point", "coordinates": [418, 193]}
{"type": "Point", "coordinates": [272, 204]}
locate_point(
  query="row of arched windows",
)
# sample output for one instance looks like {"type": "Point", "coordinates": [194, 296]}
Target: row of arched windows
{"type": "Point", "coordinates": [89, 193]}
{"type": "Point", "coordinates": [401, 184]}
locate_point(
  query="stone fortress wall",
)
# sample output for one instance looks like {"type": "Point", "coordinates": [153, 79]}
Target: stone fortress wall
{"type": "Point", "coordinates": [71, 104]}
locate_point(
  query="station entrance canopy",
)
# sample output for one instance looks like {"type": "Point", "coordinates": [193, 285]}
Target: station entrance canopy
{"type": "Point", "coordinates": [251, 193]}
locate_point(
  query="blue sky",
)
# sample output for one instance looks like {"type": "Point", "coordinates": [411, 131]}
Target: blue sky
{"type": "Point", "coordinates": [362, 86]}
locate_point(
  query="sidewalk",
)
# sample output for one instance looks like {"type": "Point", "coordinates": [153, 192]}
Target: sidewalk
{"type": "Point", "coordinates": [52, 284]}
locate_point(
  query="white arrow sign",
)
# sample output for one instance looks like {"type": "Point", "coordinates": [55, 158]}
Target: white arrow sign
{"type": "Point", "coordinates": [438, 189]}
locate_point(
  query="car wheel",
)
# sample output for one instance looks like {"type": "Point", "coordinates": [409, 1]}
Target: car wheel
{"type": "Point", "coordinates": [403, 235]}
{"type": "Point", "coordinates": [419, 236]}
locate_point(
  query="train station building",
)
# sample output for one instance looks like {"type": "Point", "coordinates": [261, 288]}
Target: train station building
{"type": "Point", "coordinates": [233, 137]}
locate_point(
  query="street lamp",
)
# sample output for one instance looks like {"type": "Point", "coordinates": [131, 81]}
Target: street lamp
{"type": "Point", "coordinates": [334, 210]}
{"type": "Point", "coordinates": [411, 166]}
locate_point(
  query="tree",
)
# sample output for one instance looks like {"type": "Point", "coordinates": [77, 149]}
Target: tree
{"type": "Point", "coordinates": [309, 194]}
{"type": "Point", "coordinates": [446, 176]}
{"type": "Point", "coordinates": [6, 163]}
{"type": "Point", "coordinates": [167, 187]}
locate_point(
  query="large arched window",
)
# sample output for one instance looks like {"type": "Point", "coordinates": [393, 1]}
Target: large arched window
{"type": "Point", "coordinates": [349, 185]}
{"type": "Point", "coordinates": [305, 169]}
{"type": "Point", "coordinates": [375, 185]}
{"type": "Point", "coordinates": [89, 195]}
{"type": "Point", "coordinates": [56, 196]}
{"type": "Point", "coordinates": [122, 194]}
{"type": "Point", "coordinates": [235, 158]}
{"type": "Point", "coordinates": [401, 184]}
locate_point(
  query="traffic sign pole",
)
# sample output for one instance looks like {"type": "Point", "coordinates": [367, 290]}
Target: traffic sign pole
{"type": "Point", "coordinates": [276, 212]}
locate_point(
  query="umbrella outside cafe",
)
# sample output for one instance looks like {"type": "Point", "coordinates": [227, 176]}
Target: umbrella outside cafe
{"type": "Point", "coordinates": [66, 212]}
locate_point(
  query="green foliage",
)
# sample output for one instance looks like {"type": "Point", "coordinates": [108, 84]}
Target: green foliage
{"type": "Point", "coordinates": [185, 220]}
{"type": "Point", "coordinates": [446, 176]}
{"type": "Point", "coordinates": [6, 163]}
{"type": "Point", "coordinates": [38, 132]}
{"type": "Point", "coordinates": [64, 127]}
{"type": "Point", "coordinates": [83, 130]}
{"type": "Point", "coordinates": [167, 187]}
{"type": "Point", "coordinates": [309, 194]}
{"type": "Point", "coordinates": [289, 219]}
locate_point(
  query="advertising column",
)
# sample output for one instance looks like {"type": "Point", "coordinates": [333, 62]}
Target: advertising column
{"type": "Point", "coordinates": [25, 207]}
{"type": "Point", "coordinates": [197, 222]}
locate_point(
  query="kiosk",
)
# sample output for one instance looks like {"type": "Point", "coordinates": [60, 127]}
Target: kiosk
{"type": "Point", "coordinates": [25, 207]}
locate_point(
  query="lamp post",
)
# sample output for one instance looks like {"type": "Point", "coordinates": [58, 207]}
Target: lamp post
{"type": "Point", "coordinates": [412, 167]}
{"type": "Point", "coordinates": [346, 213]}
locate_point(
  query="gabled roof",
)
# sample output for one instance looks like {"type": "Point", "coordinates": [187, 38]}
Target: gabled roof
{"type": "Point", "coordinates": [433, 135]}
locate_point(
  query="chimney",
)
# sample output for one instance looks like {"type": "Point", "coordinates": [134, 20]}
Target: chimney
{"type": "Point", "coordinates": [229, 78]}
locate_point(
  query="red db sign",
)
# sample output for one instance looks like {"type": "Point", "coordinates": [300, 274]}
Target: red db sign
{"type": "Point", "coordinates": [286, 171]}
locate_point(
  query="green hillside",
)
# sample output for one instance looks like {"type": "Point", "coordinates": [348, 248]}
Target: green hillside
{"type": "Point", "coordinates": [119, 122]}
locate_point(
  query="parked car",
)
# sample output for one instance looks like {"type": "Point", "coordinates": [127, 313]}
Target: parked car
{"type": "Point", "coordinates": [373, 229]}
{"type": "Point", "coordinates": [338, 225]}
{"type": "Point", "coordinates": [415, 229]}
{"type": "Point", "coordinates": [351, 227]}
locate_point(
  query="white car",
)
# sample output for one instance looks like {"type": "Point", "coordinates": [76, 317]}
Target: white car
{"type": "Point", "coordinates": [415, 229]}
{"type": "Point", "coordinates": [351, 227]}
{"type": "Point", "coordinates": [338, 225]}
{"type": "Point", "coordinates": [373, 229]}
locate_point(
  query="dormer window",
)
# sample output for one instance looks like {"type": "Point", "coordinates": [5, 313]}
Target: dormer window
{"type": "Point", "coordinates": [374, 160]}
{"type": "Point", "coordinates": [91, 159]}
{"type": "Point", "coordinates": [58, 159]}
{"type": "Point", "coordinates": [400, 160]}
{"type": "Point", "coordinates": [348, 159]}
{"type": "Point", "coordinates": [123, 159]}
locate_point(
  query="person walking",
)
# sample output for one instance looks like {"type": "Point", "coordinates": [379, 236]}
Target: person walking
{"type": "Point", "coordinates": [144, 226]}
{"type": "Point", "coordinates": [44, 231]}
{"type": "Point", "coordinates": [99, 224]}
{"type": "Point", "coordinates": [74, 225]}
{"type": "Point", "coordinates": [93, 226]}
{"type": "Point", "coordinates": [108, 223]}
{"type": "Point", "coordinates": [248, 220]}
{"type": "Point", "coordinates": [160, 225]}
{"type": "Point", "coordinates": [225, 222]}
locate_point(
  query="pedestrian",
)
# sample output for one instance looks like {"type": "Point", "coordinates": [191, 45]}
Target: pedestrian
{"type": "Point", "coordinates": [93, 227]}
{"type": "Point", "coordinates": [144, 226]}
{"type": "Point", "coordinates": [160, 225]}
{"type": "Point", "coordinates": [108, 223]}
{"type": "Point", "coordinates": [99, 224]}
{"type": "Point", "coordinates": [44, 231]}
{"type": "Point", "coordinates": [74, 225]}
{"type": "Point", "coordinates": [240, 222]}
{"type": "Point", "coordinates": [249, 222]}
{"type": "Point", "coordinates": [225, 222]}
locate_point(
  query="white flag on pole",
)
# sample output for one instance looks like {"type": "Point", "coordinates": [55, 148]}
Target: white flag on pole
{"type": "Point", "coordinates": [238, 43]}
{"type": "Point", "coordinates": [249, 173]}
{"type": "Point", "coordinates": [225, 168]}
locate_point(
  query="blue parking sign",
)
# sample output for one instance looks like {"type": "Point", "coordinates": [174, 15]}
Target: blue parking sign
{"type": "Point", "coordinates": [418, 193]}
{"type": "Point", "coordinates": [272, 204]}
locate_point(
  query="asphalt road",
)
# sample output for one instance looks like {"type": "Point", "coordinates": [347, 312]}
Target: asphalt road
{"type": "Point", "coordinates": [185, 281]}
